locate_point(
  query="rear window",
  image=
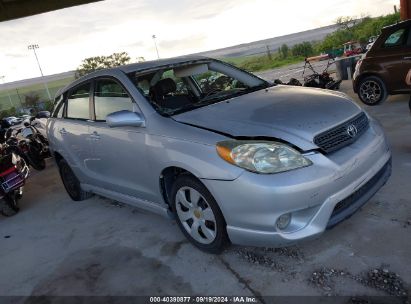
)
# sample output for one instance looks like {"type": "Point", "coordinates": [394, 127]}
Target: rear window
{"type": "Point", "coordinates": [78, 102]}
{"type": "Point", "coordinates": [396, 39]}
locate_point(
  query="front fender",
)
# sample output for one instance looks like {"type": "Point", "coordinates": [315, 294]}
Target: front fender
{"type": "Point", "coordinates": [200, 159]}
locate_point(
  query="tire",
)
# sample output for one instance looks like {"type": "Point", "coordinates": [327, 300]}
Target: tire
{"type": "Point", "coordinates": [198, 215]}
{"type": "Point", "coordinates": [71, 183]}
{"type": "Point", "coordinates": [36, 160]}
{"type": "Point", "coordinates": [37, 163]}
{"type": "Point", "coordinates": [9, 206]}
{"type": "Point", "coordinates": [372, 91]}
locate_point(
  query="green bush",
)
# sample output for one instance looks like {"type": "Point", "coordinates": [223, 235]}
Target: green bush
{"type": "Point", "coordinates": [361, 31]}
{"type": "Point", "coordinates": [262, 62]}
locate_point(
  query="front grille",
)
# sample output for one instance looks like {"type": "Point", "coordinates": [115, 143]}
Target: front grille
{"type": "Point", "coordinates": [354, 197]}
{"type": "Point", "coordinates": [338, 137]}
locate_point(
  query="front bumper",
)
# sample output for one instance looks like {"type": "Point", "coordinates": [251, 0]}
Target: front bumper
{"type": "Point", "coordinates": [318, 197]}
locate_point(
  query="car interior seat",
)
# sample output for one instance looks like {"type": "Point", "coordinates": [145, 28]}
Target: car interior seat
{"type": "Point", "coordinates": [163, 93]}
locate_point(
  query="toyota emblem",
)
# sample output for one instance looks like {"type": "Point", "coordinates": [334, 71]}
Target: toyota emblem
{"type": "Point", "coordinates": [352, 131]}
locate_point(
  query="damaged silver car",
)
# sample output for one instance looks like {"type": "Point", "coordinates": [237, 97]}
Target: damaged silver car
{"type": "Point", "coordinates": [230, 156]}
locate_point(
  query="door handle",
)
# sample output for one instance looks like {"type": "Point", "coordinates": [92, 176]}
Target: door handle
{"type": "Point", "coordinates": [63, 131]}
{"type": "Point", "coordinates": [95, 135]}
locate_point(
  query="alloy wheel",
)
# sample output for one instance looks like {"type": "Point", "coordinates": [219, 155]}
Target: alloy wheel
{"type": "Point", "coordinates": [370, 91]}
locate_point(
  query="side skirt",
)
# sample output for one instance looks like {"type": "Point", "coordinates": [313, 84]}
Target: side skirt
{"type": "Point", "coordinates": [129, 200]}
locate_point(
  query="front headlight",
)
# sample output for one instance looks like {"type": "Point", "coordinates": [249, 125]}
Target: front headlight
{"type": "Point", "coordinates": [261, 156]}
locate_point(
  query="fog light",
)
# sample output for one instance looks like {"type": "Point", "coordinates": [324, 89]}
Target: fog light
{"type": "Point", "coordinates": [283, 221]}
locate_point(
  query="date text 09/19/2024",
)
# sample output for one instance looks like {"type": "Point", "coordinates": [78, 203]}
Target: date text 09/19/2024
{"type": "Point", "coordinates": [203, 299]}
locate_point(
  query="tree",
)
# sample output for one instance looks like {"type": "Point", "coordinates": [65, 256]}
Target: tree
{"type": "Point", "coordinates": [31, 99]}
{"type": "Point", "coordinates": [302, 49]}
{"type": "Point", "coordinates": [356, 29]}
{"type": "Point", "coordinates": [346, 22]}
{"type": "Point", "coordinates": [9, 112]}
{"type": "Point", "coordinates": [92, 64]}
{"type": "Point", "coordinates": [284, 50]}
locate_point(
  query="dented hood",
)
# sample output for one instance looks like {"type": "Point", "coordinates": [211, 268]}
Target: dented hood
{"type": "Point", "coordinates": [292, 114]}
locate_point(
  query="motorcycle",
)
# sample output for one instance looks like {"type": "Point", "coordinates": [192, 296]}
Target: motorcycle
{"type": "Point", "coordinates": [291, 82]}
{"type": "Point", "coordinates": [31, 132]}
{"type": "Point", "coordinates": [30, 150]}
{"type": "Point", "coordinates": [323, 80]}
{"type": "Point", "coordinates": [13, 174]}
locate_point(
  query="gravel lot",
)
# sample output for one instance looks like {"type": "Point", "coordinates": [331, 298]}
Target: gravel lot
{"type": "Point", "coordinates": [55, 246]}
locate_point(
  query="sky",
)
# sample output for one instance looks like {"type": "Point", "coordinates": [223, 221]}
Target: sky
{"type": "Point", "coordinates": [67, 36]}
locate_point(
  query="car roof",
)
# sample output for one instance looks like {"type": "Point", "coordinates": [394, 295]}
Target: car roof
{"type": "Point", "coordinates": [397, 25]}
{"type": "Point", "coordinates": [136, 67]}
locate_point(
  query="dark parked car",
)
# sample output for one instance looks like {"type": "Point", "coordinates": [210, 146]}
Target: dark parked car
{"type": "Point", "coordinates": [43, 114]}
{"type": "Point", "coordinates": [383, 69]}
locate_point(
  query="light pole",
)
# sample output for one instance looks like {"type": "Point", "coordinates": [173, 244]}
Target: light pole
{"type": "Point", "coordinates": [155, 44]}
{"type": "Point", "coordinates": [34, 47]}
{"type": "Point", "coordinates": [11, 103]}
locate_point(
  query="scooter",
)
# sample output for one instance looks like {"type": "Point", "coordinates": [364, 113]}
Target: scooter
{"type": "Point", "coordinates": [13, 174]}
{"type": "Point", "coordinates": [26, 148]}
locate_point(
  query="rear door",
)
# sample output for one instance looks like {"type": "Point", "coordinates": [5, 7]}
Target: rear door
{"type": "Point", "coordinates": [119, 154]}
{"type": "Point", "coordinates": [396, 58]}
{"type": "Point", "coordinates": [71, 132]}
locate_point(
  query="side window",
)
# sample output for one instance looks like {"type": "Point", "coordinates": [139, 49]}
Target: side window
{"type": "Point", "coordinates": [78, 102]}
{"type": "Point", "coordinates": [409, 37]}
{"type": "Point", "coordinates": [396, 39]}
{"type": "Point", "coordinates": [109, 97]}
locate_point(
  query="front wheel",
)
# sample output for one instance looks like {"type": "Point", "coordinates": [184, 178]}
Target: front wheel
{"type": "Point", "coordinates": [35, 158]}
{"type": "Point", "coordinates": [198, 215]}
{"type": "Point", "coordinates": [372, 91]}
{"type": "Point", "coordinates": [9, 206]}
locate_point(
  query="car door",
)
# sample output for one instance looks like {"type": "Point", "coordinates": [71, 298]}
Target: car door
{"type": "Point", "coordinates": [119, 154]}
{"type": "Point", "coordinates": [71, 131]}
{"type": "Point", "coordinates": [396, 53]}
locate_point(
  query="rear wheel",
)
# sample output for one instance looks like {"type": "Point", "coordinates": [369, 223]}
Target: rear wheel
{"type": "Point", "coordinates": [198, 215]}
{"type": "Point", "coordinates": [372, 91]}
{"type": "Point", "coordinates": [71, 183]}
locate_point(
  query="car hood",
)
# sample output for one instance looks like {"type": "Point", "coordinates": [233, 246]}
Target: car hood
{"type": "Point", "coordinates": [292, 114]}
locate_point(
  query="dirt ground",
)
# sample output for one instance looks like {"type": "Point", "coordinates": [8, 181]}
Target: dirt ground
{"type": "Point", "coordinates": [55, 246]}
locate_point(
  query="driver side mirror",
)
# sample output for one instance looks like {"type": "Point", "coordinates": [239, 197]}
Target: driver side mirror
{"type": "Point", "coordinates": [125, 119]}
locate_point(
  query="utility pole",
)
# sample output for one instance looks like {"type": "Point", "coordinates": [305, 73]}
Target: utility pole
{"type": "Point", "coordinates": [405, 9]}
{"type": "Point", "coordinates": [18, 94]}
{"type": "Point", "coordinates": [155, 44]}
{"type": "Point", "coordinates": [268, 52]}
{"type": "Point", "coordinates": [34, 47]}
{"type": "Point", "coordinates": [11, 103]}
